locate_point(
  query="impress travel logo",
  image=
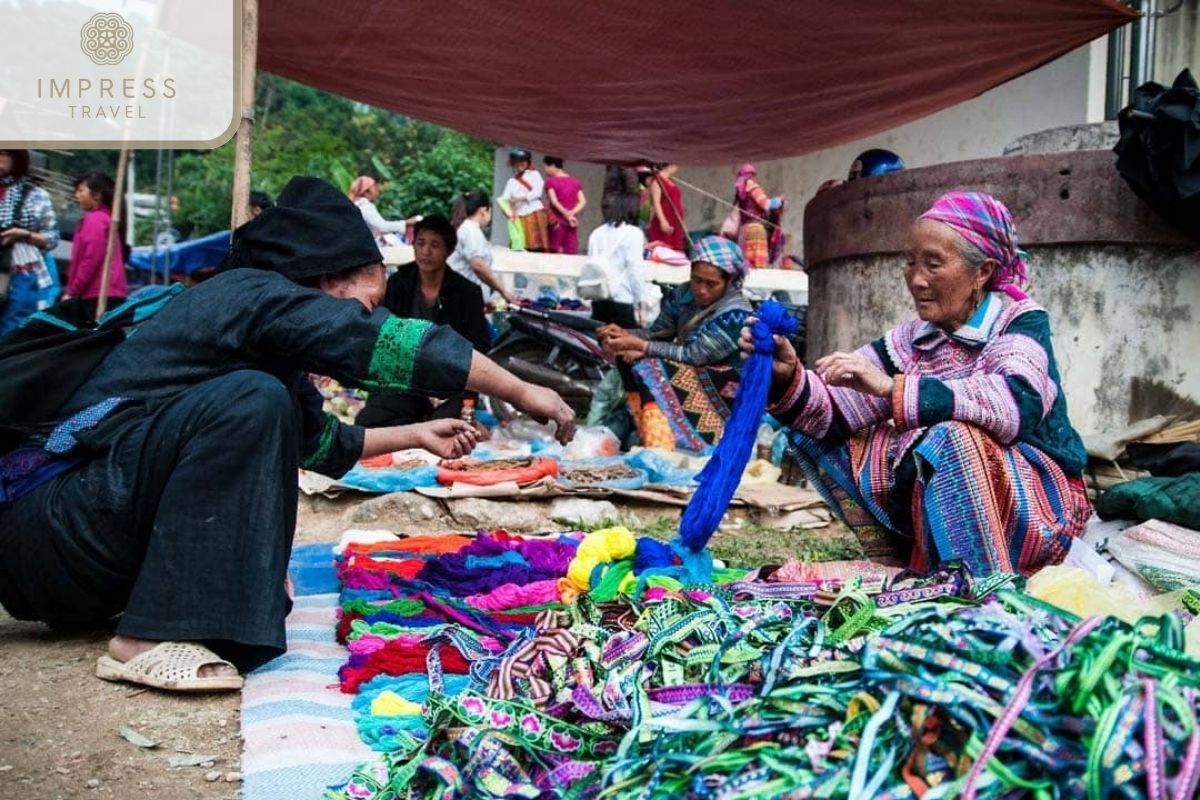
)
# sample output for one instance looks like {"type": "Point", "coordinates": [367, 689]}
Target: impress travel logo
{"type": "Point", "coordinates": [106, 39]}
{"type": "Point", "coordinates": [106, 73]}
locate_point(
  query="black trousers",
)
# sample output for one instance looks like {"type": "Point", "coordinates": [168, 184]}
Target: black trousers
{"type": "Point", "coordinates": [184, 524]}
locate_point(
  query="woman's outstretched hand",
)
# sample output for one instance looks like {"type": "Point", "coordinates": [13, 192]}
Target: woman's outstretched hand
{"type": "Point", "coordinates": [785, 363]}
{"type": "Point", "coordinates": [852, 371]}
{"type": "Point", "coordinates": [448, 438]}
{"type": "Point", "coordinates": [544, 405]}
{"type": "Point", "coordinates": [624, 344]}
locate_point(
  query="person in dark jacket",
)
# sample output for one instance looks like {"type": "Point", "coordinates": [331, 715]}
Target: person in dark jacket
{"type": "Point", "coordinates": [168, 492]}
{"type": "Point", "coordinates": [427, 289]}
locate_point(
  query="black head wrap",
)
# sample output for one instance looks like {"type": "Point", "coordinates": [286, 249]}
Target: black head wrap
{"type": "Point", "coordinates": [313, 230]}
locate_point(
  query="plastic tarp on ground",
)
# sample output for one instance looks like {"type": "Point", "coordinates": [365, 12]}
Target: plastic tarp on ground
{"type": "Point", "coordinates": [707, 83]}
{"type": "Point", "coordinates": [185, 258]}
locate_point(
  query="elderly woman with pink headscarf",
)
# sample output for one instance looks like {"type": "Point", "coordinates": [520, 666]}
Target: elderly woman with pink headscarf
{"type": "Point", "coordinates": [951, 429]}
{"type": "Point", "coordinates": [364, 193]}
{"type": "Point", "coordinates": [756, 212]}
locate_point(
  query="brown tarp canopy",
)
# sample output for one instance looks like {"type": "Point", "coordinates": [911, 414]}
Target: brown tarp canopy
{"type": "Point", "coordinates": [697, 83]}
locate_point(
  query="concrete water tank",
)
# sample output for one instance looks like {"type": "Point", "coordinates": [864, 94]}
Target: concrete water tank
{"type": "Point", "coordinates": [1121, 285]}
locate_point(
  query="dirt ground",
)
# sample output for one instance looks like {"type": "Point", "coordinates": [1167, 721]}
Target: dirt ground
{"type": "Point", "coordinates": [60, 723]}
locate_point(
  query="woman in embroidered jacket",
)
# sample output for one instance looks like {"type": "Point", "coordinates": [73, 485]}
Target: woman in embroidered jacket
{"type": "Point", "coordinates": [685, 366]}
{"type": "Point", "coordinates": [951, 428]}
{"type": "Point", "coordinates": [168, 493]}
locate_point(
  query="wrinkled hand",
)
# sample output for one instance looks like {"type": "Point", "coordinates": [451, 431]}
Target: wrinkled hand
{"type": "Point", "coordinates": [544, 405]}
{"type": "Point", "coordinates": [625, 344]}
{"type": "Point", "coordinates": [609, 330]}
{"type": "Point", "coordinates": [448, 438]}
{"type": "Point", "coordinates": [785, 361]}
{"type": "Point", "coordinates": [853, 371]}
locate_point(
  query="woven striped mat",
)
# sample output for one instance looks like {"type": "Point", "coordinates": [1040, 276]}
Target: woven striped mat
{"type": "Point", "coordinates": [298, 728]}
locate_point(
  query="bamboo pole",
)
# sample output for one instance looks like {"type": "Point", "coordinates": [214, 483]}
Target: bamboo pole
{"type": "Point", "coordinates": [117, 212]}
{"type": "Point", "coordinates": [240, 212]}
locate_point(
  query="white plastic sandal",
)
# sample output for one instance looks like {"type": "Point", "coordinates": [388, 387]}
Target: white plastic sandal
{"type": "Point", "coordinates": [173, 666]}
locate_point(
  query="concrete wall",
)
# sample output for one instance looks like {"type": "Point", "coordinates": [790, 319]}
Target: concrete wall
{"type": "Point", "coordinates": [1122, 287]}
{"type": "Point", "coordinates": [1122, 318]}
{"type": "Point", "coordinates": [1067, 91]}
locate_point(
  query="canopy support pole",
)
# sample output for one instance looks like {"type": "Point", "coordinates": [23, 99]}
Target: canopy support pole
{"type": "Point", "coordinates": [240, 211]}
{"type": "Point", "coordinates": [118, 208]}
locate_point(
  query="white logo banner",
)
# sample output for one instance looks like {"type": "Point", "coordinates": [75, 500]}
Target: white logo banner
{"type": "Point", "coordinates": [107, 73]}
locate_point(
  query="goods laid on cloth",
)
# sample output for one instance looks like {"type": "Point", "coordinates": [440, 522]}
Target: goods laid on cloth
{"type": "Point", "coordinates": [499, 666]}
{"type": "Point", "coordinates": [500, 470]}
{"type": "Point", "coordinates": [601, 475]}
{"type": "Point", "coordinates": [391, 472]}
{"type": "Point", "coordinates": [299, 734]}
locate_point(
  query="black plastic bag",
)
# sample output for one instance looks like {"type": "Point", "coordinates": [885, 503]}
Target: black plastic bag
{"type": "Point", "coordinates": [1159, 150]}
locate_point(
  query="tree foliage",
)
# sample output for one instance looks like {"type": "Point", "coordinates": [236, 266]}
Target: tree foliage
{"type": "Point", "coordinates": [304, 131]}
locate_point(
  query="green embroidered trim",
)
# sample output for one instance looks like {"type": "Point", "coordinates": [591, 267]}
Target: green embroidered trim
{"type": "Point", "coordinates": [318, 456]}
{"type": "Point", "coordinates": [395, 354]}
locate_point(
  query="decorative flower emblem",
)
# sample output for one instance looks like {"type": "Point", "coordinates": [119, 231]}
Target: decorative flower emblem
{"type": "Point", "coordinates": [531, 725]}
{"type": "Point", "coordinates": [106, 39]}
{"type": "Point", "coordinates": [472, 706]}
{"type": "Point", "coordinates": [564, 741]}
{"type": "Point", "coordinates": [500, 718]}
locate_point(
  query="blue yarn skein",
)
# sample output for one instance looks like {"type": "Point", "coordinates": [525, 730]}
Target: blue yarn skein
{"type": "Point", "coordinates": [720, 477]}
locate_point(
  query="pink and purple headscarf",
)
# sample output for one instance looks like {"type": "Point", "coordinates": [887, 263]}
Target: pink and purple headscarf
{"type": "Point", "coordinates": [745, 172]}
{"type": "Point", "coordinates": [986, 223]}
{"type": "Point", "coordinates": [724, 255]}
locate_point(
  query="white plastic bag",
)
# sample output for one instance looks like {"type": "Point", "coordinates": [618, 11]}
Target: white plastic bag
{"type": "Point", "coordinates": [595, 441]}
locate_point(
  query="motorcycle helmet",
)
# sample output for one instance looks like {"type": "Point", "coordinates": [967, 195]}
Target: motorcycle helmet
{"type": "Point", "coordinates": [517, 154]}
{"type": "Point", "coordinates": [873, 162]}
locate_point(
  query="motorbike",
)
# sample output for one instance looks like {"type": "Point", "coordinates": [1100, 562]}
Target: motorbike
{"type": "Point", "coordinates": [556, 349]}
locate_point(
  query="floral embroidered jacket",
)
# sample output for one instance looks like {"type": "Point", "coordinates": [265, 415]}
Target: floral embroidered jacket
{"type": "Point", "coordinates": [997, 372]}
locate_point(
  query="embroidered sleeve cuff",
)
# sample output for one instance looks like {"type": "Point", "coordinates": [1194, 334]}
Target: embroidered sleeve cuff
{"type": "Point", "coordinates": [337, 450]}
{"type": "Point", "coordinates": [791, 394]}
{"type": "Point", "coordinates": [395, 354]}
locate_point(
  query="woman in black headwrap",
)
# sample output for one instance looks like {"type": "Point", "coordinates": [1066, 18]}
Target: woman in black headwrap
{"type": "Point", "coordinates": [168, 492]}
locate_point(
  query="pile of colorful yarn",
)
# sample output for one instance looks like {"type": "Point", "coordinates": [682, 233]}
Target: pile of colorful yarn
{"type": "Point", "coordinates": [498, 666]}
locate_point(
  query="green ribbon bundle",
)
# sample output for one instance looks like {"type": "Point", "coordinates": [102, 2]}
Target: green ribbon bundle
{"type": "Point", "coordinates": [729, 692]}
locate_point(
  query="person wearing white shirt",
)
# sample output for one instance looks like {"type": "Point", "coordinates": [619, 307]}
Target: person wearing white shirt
{"type": "Point", "coordinates": [618, 246]}
{"type": "Point", "coordinates": [472, 257]}
{"type": "Point", "coordinates": [524, 192]}
{"type": "Point", "coordinates": [364, 193]}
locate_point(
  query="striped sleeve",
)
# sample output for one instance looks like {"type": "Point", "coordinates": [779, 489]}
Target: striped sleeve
{"type": "Point", "coordinates": [812, 407]}
{"type": "Point", "coordinates": [1010, 394]}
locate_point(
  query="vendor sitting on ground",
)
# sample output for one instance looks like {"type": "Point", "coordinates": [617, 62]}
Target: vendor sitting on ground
{"type": "Point", "coordinates": [428, 289]}
{"type": "Point", "coordinates": [168, 493]}
{"type": "Point", "coordinates": [952, 428]}
{"type": "Point", "coordinates": [686, 365]}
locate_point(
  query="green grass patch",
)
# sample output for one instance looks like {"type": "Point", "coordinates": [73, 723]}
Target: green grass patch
{"type": "Point", "coordinates": [747, 543]}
